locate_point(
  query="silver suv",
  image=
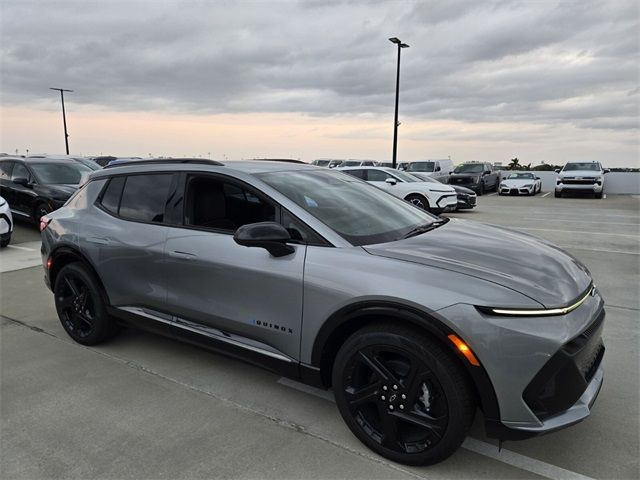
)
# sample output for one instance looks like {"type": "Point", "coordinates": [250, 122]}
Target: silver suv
{"type": "Point", "coordinates": [321, 277]}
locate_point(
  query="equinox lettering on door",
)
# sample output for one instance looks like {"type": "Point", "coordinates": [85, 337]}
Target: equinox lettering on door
{"type": "Point", "coordinates": [271, 326]}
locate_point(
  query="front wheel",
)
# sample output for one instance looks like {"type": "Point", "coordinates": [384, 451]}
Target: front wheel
{"type": "Point", "coordinates": [419, 201]}
{"type": "Point", "coordinates": [598, 195]}
{"type": "Point", "coordinates": [81, 307]}
{"type": "Point", "coordinates": [40, 211]}
{"type": "Point", "coordinates": [480, 189]}
{"type": "Point", "coordinates": [402, 394]}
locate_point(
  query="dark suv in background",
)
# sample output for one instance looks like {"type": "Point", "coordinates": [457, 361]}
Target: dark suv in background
{"type": "Point", "coordinates": [478, 176]}
{"type": "Point", "coordinates": [34, 187]}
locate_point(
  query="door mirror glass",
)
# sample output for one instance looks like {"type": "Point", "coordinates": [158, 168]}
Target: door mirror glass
{"type": "Point", "coordinates": [391, 181]}
{"type": "Point", "coordinates": [268, 235]}
{"type": "Point", "coordinates": [557, 170]}
{"type": "Point", "coordinates": [21, 181]}
{"type": "Point", "coordinates": [606, 170]}
{"type": "Point", "coordinates": [487, 172]}
{"type": "Point", "coordinates": [537, 178]}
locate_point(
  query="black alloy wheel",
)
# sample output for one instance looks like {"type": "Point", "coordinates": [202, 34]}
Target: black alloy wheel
{"type": "Point", "coordinates": [419, 201]}
{"type": "Point", "coordinates": [403, 395]}
{"type": "Point", "coordinates": [81, 307]}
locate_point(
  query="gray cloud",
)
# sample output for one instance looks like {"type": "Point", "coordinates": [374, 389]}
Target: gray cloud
{"type": "Point", "coordinates": [566, 63]}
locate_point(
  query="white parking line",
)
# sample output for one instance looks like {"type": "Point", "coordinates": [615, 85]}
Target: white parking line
{"type": "Point", "coordinates": [22, 248]}
{"type": "Point", "coordinates": [514, 459]}
{"type": "Point", "coordinates": [576, 231]}
{"type": "Point", "coordinates": [548, 193]}
{"type": "Point", "coordinates": [576, 247]}
{"type": "Point", "coordinates": [604, 195]}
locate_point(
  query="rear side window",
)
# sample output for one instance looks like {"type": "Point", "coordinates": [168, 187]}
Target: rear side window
{"type": "Point", "coordinates": [111, 196]}
{"type": "Point", "coordinates": [144, 197]}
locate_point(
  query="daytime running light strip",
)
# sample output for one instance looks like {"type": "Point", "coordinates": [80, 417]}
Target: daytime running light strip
{"type": "Point", "coordinates": [552, 311]}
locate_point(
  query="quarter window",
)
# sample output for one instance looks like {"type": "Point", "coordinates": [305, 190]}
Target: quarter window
{"type": "Point", "coordinates": [144, 197]}
{"type": "Point", "coordinates": [111, 196]}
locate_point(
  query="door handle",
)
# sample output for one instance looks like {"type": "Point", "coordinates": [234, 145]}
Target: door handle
{"type": "Point", "coordinates": [98, 240]}
{"type": "Point", "coordinates": [183, 255]}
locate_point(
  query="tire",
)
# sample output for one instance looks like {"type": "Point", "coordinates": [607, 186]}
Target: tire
{"type": "Point", "coordinates": [481, 189]}
{"type": "Point", "coordinates": [81, 307]}
{"type": "Point", "coordinates": [5, 242]}
{"type": "Point", "coordinates": [598, 195]}
{"type": "Point", "coordinates": [426, 426]}
{"type": "Point", "coordinates": [41, 209]}
{"type": "Point", "coordinates": [419, 201]}
{"type": "Point", "coordinates": [557, 195]}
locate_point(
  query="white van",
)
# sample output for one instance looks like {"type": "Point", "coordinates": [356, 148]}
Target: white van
{"type": "Point", "coordinates": [438, 169]}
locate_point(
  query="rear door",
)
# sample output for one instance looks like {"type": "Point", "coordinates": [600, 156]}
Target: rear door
{"type": "Point", "coordinates": [23, 198]}
{"type": "Point", "coordinates": [6, 187]}
{"type": "Point", "coordinates": [126, 238]}
{"type": "Point", "coordinates": [219, 287]}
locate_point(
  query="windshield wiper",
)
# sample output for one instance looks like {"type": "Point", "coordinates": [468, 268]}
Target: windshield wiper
{"type": "Point", "coordinates": [425, 228]}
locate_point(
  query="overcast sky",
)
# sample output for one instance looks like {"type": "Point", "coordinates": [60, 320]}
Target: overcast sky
{"type": "Point", "coordinates": [540, 80]}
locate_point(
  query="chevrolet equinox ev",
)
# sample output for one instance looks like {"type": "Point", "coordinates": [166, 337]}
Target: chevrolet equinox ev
{"type": "Point", "coordinates": [414, 321]}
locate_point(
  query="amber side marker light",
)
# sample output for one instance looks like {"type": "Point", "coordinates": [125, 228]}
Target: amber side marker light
{"type": "Point", "coordinates": [465, 350]}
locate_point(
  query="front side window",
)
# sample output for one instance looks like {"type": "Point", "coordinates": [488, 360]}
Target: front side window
{"type": "Point", "coordinates": [361, 174]}
{"type": "Point", "coordinates": [360, 213]}
{"type": "Point", "coordinates": [212, 202]}
{"type": "Point", "coordinates": [145, 197]}
{"type": "Point", "coordinates": [20, 171]}
{"type": "Point", "coordinates": [377, 175]}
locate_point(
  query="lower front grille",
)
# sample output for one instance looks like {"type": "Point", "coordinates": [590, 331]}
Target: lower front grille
{"type": "Point", "coordinates": [566, 375]}
{"type": "Point", "coordinates": [586, 181]}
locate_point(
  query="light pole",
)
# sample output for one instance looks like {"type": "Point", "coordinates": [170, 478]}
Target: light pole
{"type": "Point", "coordinates": [401, 45]}
{"type": "Point", "coordinates": [64, 117]}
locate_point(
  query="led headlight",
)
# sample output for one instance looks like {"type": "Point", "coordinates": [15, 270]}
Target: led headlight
{"type": "Point", "coordinates": [545, 312]}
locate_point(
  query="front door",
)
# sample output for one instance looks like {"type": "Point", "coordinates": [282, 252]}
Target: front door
{"type": "Point", "coordinates": [215, 283]}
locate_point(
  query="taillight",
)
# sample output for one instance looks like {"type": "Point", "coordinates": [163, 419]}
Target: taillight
{"type": "Point", "coordinates": [44, 222]}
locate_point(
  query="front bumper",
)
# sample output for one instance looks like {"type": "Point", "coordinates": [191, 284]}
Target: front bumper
{"type": "Point", "coordinates": [447, 203]}
{"type": "Point", "coordinates": [584, 186]}
{"type": "Point", "coordinates": [515, 191]}
{"type": "Point", "coordinates": [467, 201]}
{"type": "Point", "coordinates": [546, 372]}
{"type": "Point", "coordinates": [6, 226]}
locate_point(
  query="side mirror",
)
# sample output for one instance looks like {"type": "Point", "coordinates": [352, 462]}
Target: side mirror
{"type": "Point", "coordinates": [486, 172]}
{"type": "Point", "coordinates": [391, 181]}
{"type": "Point", "coordinates": [537, 178]}
{"type": "Point", "coordinates": [21, 181]}
{"type": "Point", "coordinates": [437, 169]}
{"type": "Point", "coordinates": [557, 170]}
{"type": "Point", "coordinates": [606, 170]}
{"type": "Point", "coordinates": [268, 235]}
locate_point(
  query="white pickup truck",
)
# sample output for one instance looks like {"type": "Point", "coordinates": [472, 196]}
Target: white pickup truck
{"type": "Point", "coordinates": [581, 177]}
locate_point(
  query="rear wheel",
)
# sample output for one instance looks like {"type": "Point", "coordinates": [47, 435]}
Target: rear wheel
{"type": "Point", "coordinates": [80, 306]}
{"type": "Point", "coordinates": [402, 394]}
{"type": "Point", "coordinates": [419, 201]}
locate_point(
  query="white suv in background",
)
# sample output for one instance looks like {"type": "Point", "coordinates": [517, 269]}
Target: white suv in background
{"type": "Point", "coordinates": [6, 223]}
{"type": "Point", "coordinates": [434, 197]}
{"type": "Point", "coordinates": [581, 177]}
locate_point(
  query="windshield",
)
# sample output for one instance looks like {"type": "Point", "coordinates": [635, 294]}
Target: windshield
{"type": "Point", "coordinates": [351, 163]}
{"type": "Point", "coordinates": [405, 177]}
{"type": "Point", "coordinates": [421, 167]}
{"type": "Point", "coordinates": [89, 163]}
{"type": "Point", "coordinates": [59, 173]}
{"type": "Point", "coordinates": [469, 168]}
{"type": "Point", "coordinates": [582, 166]}
{"type": "Point", "coordinates": [361, 213]}
{"type": "Point", "coordinates": [520, 176]}
{"type": "Point", "coordinates": [321, 163]}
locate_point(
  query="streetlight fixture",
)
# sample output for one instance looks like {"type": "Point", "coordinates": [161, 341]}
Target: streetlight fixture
{"type": "Point", "coordinates": [401, 45]}
{"type": "Point", "coordinates": [64, 117]}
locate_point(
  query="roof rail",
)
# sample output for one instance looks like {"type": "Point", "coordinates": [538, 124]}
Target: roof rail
{"type": "Point", "coordinates": [203, 161]}
{"type": "Point", "coordinates": [286, 160]}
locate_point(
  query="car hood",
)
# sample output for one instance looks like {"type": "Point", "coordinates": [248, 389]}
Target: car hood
{"type": "Point", "coordinates": [464, 190]}
{"type": "Point", "coordinates": [61, 190]}
{"type": "Point", "coordinates": [465, 175]}
{"type": "Point", "coordinates": [521, 262]}
{"type": "Point", "coordinates": [581, 173]}
{"type": "Point", "coordinates": [518, 182]}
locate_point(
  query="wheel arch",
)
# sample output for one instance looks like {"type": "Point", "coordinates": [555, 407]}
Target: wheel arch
{"type": "Point", "coordinates": [64, 255]}
{"type": "Point", "coordinates": [346, 321]}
